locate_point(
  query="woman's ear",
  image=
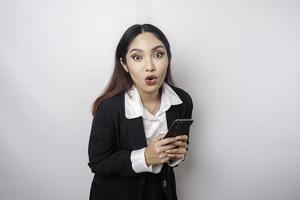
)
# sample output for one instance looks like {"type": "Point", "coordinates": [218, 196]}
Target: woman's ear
{"type": "Point", "coordinates": [124, 65]}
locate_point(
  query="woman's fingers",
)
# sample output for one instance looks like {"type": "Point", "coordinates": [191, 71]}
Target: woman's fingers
{"type": "Point", "coordinates": [166, 141]}
{"type": "Point", "coordinates": [159, 137]}
{"type": "Point", "coordinates": [182, 138]}
{"type": "Point", "coordinates": [163, 149]}
{"type": "Point", "coordinates": [176, 151]}
{"type": "Point", "coordinates": [179, 139]}
{"type": "Point", "coordinates": [164, 160]}
{"type": "Point", "coordinates": [178, 156]}
{"type": "Point", "coordinates": [167, 147]}
{"type": "Point", "coordinates": [180, 144]}
{"type": "Point", "coordinates": [173, 146]}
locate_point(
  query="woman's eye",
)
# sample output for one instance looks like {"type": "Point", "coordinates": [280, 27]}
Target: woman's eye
{"type": "Point", "coordinates": [158, 55]}
{"type": "Point", "coordinates": [137, 57]}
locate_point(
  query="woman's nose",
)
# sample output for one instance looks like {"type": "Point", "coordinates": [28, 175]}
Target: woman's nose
{"type": "Point", "coordinates": [150, 66]}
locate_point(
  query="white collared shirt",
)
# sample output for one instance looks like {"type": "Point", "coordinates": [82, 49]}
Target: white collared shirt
{"type": "Point", "coordinates": [154, 125]}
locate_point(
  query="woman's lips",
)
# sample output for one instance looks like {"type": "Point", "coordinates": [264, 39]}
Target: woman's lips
{"type": "Point", "coordinates": [151, 80]}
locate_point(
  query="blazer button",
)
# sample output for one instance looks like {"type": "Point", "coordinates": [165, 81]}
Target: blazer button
{"type": "Point", "coordinates": [164, 183]}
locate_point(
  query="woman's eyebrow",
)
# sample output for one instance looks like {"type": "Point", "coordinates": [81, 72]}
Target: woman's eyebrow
{"type": "Point", "coordinates": [156, 47]}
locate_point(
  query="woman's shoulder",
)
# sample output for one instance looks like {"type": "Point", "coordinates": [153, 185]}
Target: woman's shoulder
{"type": "Point", "coordinates": [183, 94]}
{"type": "Point", "coordinates": [112, 104]}
{"type": "Point", "coordinates": [187, 101]}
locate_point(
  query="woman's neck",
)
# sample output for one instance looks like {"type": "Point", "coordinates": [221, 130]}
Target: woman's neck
{"type": "Point", "coordinates": [151, 101]}
{"type": "Point", "coordinates": [150, 97]}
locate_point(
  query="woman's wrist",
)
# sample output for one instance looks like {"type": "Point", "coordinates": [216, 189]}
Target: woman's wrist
{"type": "Point", "coordinates": [146, 157]}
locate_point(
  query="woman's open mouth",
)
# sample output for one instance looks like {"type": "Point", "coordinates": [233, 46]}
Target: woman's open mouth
{"type": "Point", "coordinates": [150, 80]}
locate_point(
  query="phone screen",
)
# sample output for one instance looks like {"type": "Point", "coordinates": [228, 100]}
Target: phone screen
{"type": "Point", "coordinates": [179, 127]}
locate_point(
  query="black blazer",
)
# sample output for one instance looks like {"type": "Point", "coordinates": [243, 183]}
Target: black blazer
{"type": "Point", "coordinates": [111, 141]}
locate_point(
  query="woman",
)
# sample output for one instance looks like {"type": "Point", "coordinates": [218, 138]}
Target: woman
{"type": "Point", "coordinates": [128, 155]}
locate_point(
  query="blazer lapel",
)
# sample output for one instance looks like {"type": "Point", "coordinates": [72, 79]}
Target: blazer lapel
{"type": "Point", "coordinates": [136, 133]}
{"type": "Point", "coordinates": [171, 115]}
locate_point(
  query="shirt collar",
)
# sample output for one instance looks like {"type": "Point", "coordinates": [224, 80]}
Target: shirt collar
{"type": "Point", "coordinates": [134, 107]}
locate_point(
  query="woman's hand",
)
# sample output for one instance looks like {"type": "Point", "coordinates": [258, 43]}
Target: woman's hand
{"type": "Point", "coordinates": [180, 150]}
{"type": "Point", "coordinates": [155, 153]}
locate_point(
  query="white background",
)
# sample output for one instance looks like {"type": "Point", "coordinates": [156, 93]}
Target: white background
{"type": "Point", "coordinates": [239, 60]}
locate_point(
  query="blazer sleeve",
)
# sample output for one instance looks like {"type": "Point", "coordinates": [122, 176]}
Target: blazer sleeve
{"type": "Point", "coordinates": [190, 106]}
{"type": "Point", "coordinates": [103, 158]}
{"type": "Point", "coordinates": [189, 111]}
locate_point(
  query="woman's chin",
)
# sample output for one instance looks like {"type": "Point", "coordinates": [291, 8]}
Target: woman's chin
{"type": "Point", "coordinates": [152, 88]}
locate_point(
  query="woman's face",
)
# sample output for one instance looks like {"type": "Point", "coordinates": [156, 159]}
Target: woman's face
{"type": "Point", "coordinates": [147, 62]}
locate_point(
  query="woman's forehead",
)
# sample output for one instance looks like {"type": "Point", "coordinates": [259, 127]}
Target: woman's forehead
{"type": "Point", "coordinates": [145, 41]}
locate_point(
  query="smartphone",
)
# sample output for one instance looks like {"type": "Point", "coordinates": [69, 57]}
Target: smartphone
{"type": "Point", "coordinates": [179, 127]}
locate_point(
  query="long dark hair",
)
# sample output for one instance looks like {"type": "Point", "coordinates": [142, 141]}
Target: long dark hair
{"type": "Point", "coordinates": [120, 80]}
